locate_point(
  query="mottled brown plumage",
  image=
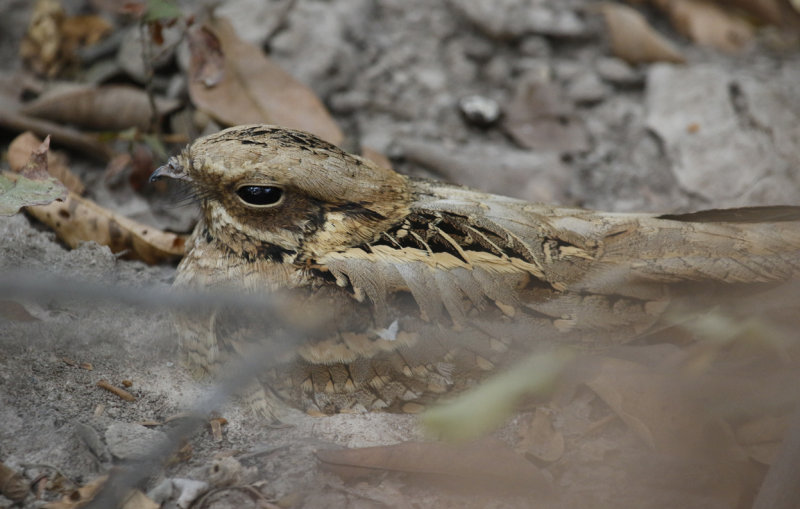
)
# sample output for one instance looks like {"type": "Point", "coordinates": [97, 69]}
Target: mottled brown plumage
{"type": "Point", "coordinates": [432, 285]}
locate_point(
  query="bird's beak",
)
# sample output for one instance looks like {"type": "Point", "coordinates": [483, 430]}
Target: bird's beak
{"type": "Point", "coordinates": [173, 169]}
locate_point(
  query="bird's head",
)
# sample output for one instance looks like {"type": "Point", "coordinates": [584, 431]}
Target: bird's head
{"type": "Point", "coordinates": [286, 195]}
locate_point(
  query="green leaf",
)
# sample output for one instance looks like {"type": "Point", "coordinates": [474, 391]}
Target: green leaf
{"type": "Point", "coordinates": [487, 406]}
{"type": "Point", "coordinates": [22, 192]}
{"type": "Point", "coordinates": [162, 9]}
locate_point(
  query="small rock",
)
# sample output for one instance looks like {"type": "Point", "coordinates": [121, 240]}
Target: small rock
{"type": "Point", "coordinates": [618, 72]}
{"type": "Point", "coordinates": [587, 88]}
{"type": "Point", "coordinates": [549, 22]}
{"type": "Point", "coordinates": [190, 490]}
{"type": "Point", "coordinates": [712, 151]}
{"type": "Point", "coordinates": [128, 441]}
{"type": "Point", "coordinates": [566, 70]}
{"type": "Point", "coordinates": [508, 19]}
{"type": "Point", "coordinates": [254, 20]}
{"type": "Point", "coordinates": [534, 46]}
{"type": "Point", "coordinates": [130, 56]}
{"type": "Point", "coordinates": [532, 176]}
{"type": "Point", "coordinates": [479, 110]}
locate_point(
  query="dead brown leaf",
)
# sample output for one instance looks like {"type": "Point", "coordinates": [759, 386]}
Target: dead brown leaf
{"type": "Point", "coordinates": [77, 220]}
{"type": "Point", "coordinates": [488, 462]}
{"type": "Point", "coordinates": [657, 407]}
{"type": "Point", "coordinates": [87, 144]}
{"type": "Point", "coordinates": [23, 145]}
{"type": "Point", "coordinates": [252, 89]}
{"type": "Point", "coordinates": [208, 60]}
{"type": "Point", "coordinates": [761, 437]}
{"type": "Point", "coordinates": [52, 37]}
{"type": "Point", "coordinates": [376, 157]}
{"type": "Point", "coordinates": [540, 439]}
{"type": "Point", "coordinates": [14, 311]}
{"type": "Point", "coordinates": [110, 107]}
{"type": "Point", "coordinates": [84, 495]}
{"type": "Point", "coordinates": [633, 39]}
{"type": "Point", "coordinates": [12, 485]}
{"type": "Point", "coordinates": [41, 46]}
{"type": "Point", "coordinates": [83, 30]}
{"type": "Point", "coordinates": [540, 118]}
{"type": "Point", "coordinates": [708, 24]}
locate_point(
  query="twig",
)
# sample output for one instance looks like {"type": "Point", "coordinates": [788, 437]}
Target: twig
{"type": "Point", "coordinates": [121, 393]}
{"type": "Point", "coordinates": [64, 135]}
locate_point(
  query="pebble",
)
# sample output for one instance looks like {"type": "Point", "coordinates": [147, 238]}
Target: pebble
{"type": "Point", "coordinates": [129, 441]}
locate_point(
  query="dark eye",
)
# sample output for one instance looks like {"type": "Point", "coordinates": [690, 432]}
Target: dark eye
{"type": "Point", "coordinates": [260, 195]}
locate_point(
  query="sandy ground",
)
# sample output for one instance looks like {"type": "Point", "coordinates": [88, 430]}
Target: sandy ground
{"type": "Point", "coordinates": [393, 72]}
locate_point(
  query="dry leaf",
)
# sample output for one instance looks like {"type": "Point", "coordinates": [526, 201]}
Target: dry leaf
{"type": "Point", "coordinates": [84, 495]}
{"type": "Point", "coordinates": [376, 157]}
{"type": "Point", "coordinates": [252, 89]}
{"type": "Point", "coordinates": [22, 146]}
{"type": "Point", "coordinates": [83, 31]}
{"type": "Point", "coordinates": [12, 485]}
{"type": "Point", "coordinates": [88, 144]}
{"type": "Point", "coordinates": [709, 25]}
{"type": "Point", "coordinates": [539, 117]}
{"type": "Point", "coordinates": [41, 46]}
{"type": "Point", "coordinates": [77, 220]}
{"type": "Point", "coordinates": [633, 39]}
{"type": "Point", "coordinates": [52, 37]}
{"type": "Point", "coordinates": [540, 439]}
{"type": "Point", "coordinates": [111, 107]}
{"type": "Point", "coordinates": [208, 61]}
{"type": "Point", "coordinates": [658, 409]}
{"type": "Point", "coordinates": [14, 311]}
{"type": "Point", "coordinates": [32, 186]}
{"type": "Point", "coordinates": [487, 462]}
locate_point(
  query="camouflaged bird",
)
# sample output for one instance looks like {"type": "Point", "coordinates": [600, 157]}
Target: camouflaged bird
{"type": "Point", "coordinates": [431, 285]}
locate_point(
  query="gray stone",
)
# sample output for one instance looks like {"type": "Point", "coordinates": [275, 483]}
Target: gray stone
{"type": "Point", "coordinates": [129, 441]}
{"type": "Point", "coordinates": [587, 88]}
{"type": "Point", "coordinates": [532, 176]}
{"type": "Point", "coordinates": [508, 19]}
{"type": "Point", "coordinates": [713, 153]}
{"type": "Point", "coordinates": [618, 72]}
{"type": "Point", "coordinates": [130, 57]}
{"type": "Point", "coordinates": [254, 20]}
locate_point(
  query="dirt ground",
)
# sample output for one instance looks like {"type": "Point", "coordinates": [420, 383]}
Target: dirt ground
{"type": "Point", "coordinates": [719, 131]}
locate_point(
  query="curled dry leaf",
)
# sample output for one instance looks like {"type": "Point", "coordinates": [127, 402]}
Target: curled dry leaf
{"type": "Point", "coordinates": [660, 409]}
{"type": "Point", "coordinates": [84, 495]}
{"type": "Point", "coordinates": [87, 144]}
{"type": "Point", "coordinates": [539, 117]}
{"type": "Point", "coordinates": [12, 484]}
{"type": "Point", "coordinates": [249, 88]}
{"type": "Point", "coordinates": [41, 46]}
{"type": "Point", "coordinates": [20, 149]}
{"type": "Point", "coordinates": [208, 60]}
{"type": "Point", "coordinates": [52, 37]}
{"type": "Point", "coordinates": [488, 463]}
{"type": "Point", "coordinates": [633, 39]}
{"type": "Point", "coordinates": [540, 439]}
{"type": "Point", "coordinates": [77, 220]}
{"type": "Point", "coordinates": [32, 186]}
{"type": "Point", "coordinates": [111, 107]}
{"type": "Point", "coordinates": [708, 24]}
{"type": "Point", "coordinates": [15, 312]}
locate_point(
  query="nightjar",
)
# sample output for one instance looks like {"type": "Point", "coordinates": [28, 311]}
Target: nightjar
{"type": "Point", "coordinates": [429, 286]}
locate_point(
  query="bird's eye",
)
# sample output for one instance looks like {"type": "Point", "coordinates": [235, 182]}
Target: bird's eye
{"type": "Point", "coordinates": [260, 196]}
